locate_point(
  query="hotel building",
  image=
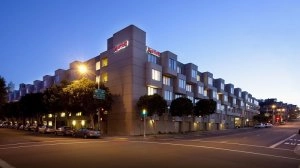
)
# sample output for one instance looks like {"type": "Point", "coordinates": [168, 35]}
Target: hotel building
{"type": "Point", "coordinates": [130, 69]}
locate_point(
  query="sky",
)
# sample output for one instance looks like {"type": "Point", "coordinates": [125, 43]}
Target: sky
{"type": "Point", "coordinates": [253, 44]}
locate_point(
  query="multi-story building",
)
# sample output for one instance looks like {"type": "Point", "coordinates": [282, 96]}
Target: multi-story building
{"type": "Point", "coordinates": [131, 69]}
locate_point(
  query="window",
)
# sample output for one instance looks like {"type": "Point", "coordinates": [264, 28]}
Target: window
{"type": "Point", "coordinates": [172, 64]}
{"type": "Point", "coordinates": [191, 98]}
{"type": "Point", "coordinates": [156, 75]}
{"type": "Point", "coordinates": [194, 73]}
{"type": "Point", "coordinates": [210, 80]}
{"type": "Point", "coordinates": [214, 94]}
{"type": "Point", "coordinates": [152, 58]}
{"type": "Point", "coordinates": [200, 90]}
{"type": "Point", "coordinates": [168, 95]}
{"type": "Point", "coordinates": [166, 80]}
{"type": "Point", "coordinates": [179, 70]}
{"type": "Point", "coordinates": [205, 93]}
{"type": "Point", "coordinates": [188, 88]}
{"type": "Point", "coordinates": [222, 86]}
{"type": "Point", "coordinates": [98, 79]}
{"type": "Point", "coordinates": [151, 90]}
{"type": "Point", "coordinates": [97, 65]}
{"type": "Point", "coordinates": [78, 114]}
{"type": "Point", "coordinates": [198, 78]}
{"type": "Point", "coordinates": [240, 94]}
{"type": "Point", "coordinates": [104, 77]}
{"type": "Point", "coordinates": [234, 101]}
{"type": "Point", "coordinates": [182, 83]}
{"type": "Point", "coordinates": [218, 106]}
{"type": "Point", "coordinates": [104, 62]}
{"type": "Point", "coordinates": [177, 96]}
{"type": "Point", "coordinates": [225, 98]}
{"type": "Point", "coordinates": [231, 90]}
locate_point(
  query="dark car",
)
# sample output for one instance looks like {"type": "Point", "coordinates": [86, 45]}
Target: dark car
{"type": "Point", "coordinates": [87, 133]}
{"type": "Point", "coordinates": [64, 130]}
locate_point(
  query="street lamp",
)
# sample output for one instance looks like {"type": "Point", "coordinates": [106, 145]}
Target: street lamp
{"type": "Point", "coordinates": [82, 69]}
{"type": "Point", "coordinates": [144, 114]}
{"type": "Point", "coordinates": [273, 116]}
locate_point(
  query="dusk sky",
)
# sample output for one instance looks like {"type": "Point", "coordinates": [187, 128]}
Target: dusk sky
{"type": "Point", "coordinates": [253, 44]}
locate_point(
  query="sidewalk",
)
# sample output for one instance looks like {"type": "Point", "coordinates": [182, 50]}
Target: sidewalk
{"type": "Point", "coordinates": [183, 135]}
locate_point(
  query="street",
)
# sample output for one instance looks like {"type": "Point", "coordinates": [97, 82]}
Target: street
{"type": "Point", "coordinates": [244, 147]}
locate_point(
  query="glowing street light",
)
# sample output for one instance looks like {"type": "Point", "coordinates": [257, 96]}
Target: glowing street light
{"type": "Point", "coordinates": [144, 114]}
{"type": "Point", "coordinates": [273, 116]}
{"type": "Point", "coordinates": [82, 68]}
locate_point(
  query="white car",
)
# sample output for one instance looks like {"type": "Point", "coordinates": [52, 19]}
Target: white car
{"type": "Point", "coordinates": [259, 125]}
{"type": "Point", "coordinates": [268, 125]}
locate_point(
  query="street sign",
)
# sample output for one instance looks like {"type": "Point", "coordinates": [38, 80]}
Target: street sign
{"type": "Point", "coordinates": [99, 94]}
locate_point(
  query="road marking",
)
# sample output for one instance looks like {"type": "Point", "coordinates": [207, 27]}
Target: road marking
{"type": "Point", "coordinates": [223, 149]}
{"type": "Point", "coordinates": [4, 164]}
{"type": "Point", "coordinates": [280, 142]}
{"type": "Point", "coordinates": [38, 145]}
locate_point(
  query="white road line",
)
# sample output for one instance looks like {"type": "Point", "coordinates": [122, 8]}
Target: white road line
{"type": "Point", "coordinates": [223, 149]}
{"type": "Point", "coordinates": [280, 142]}
{"type": "Point", "coordinates": [53, 144]}
{"type": "Point", "coordinates": [4, 164]}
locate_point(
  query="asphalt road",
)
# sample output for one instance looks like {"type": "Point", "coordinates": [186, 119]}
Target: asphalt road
{"type": "Point", "coordinates": [265, 148]}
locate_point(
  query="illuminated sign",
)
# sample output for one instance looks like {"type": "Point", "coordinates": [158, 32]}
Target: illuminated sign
{"type": "Point", "coordinates": [152, 51]}
{"type": "Point", "coordinates": [121, 46]}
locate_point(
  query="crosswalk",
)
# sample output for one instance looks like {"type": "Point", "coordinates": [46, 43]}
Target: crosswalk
{"type": "Point", "coordinates": [292, 141]}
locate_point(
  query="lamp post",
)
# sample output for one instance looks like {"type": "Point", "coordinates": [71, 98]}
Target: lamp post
{"type": "Point", "coordinates": [273, 116]}
{"type": "Point", "coordinates": [144, 114]}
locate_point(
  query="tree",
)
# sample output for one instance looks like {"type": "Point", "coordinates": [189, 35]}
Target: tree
{"type": "Point", "coordinates": [79, 95]}
{"type": "Point", "coordinates": [3, 91]}
{"type": "Point", "coordinates": [32, 106]}
{"type": "Point", "coordinates": [154, 104]}
{"type": "Point", "coordinates": [181, 106]}
{"type": "Point", "coordinates": [54, 99]}
{"type": "Point", "coordinates": [262, 118]}
{"type": "Point", "coordinates": [205, 107]}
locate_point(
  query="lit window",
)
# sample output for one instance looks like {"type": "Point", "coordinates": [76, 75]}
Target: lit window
{"type": "Point", "coordinates": [205, 93]}
{"type": "Point", "coordinates": [98, 65]}
{"type": "Point", "coordinates": [214, 94]}
{"type": "Point", "coordinates": [200, 90]}
{"type": "Point", "coordinates": [78, 114]}
{"type": "Point", "coordinates": [225, 98]}
{"type": "Point", "coordinates": [104, 77]}
{"type": "Point", "coordinates": [156, 75]}
{"type": "Point", "coordinates": [198, 78]}
{"type": "Point", "coordinates": [97, 79]}
{"type": "Point", "coordinates": [177, 96]}
{"type": "Point", "coordinates": [166, 80]}
{"type": "Point", "coordinates": [231, 90]}
{"type": "Point", "coordinates": [49, 115]}
{"type": "Point", "coordinates": [168, 95]}
{"type": "Point", "coordinates": [62, 114]}
{"type": "Point", "coordinates": [182, 83]}
{"type": "Point", "coordinates": [234, 101]}
{"type": "Point", "coordinates": [104, 62]}
{"type": "Point", "coordinates": [152, 91]}
{"type": "Point", "coordinates": [191, 98]}
{"type": "Point", "coordinates": [188, 87]}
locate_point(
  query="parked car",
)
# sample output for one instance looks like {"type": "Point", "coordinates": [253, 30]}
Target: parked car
{"type": "Point", "coordinates": [268, 125]}
{"type": "Point", "coordinates": [87, 133]}
{"type": "Point", "coordinates": [46, 129]}
{"type": "Point", "coordinates": [259, 125]}
{"type": "Point", "coordinates": [64, 130]}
